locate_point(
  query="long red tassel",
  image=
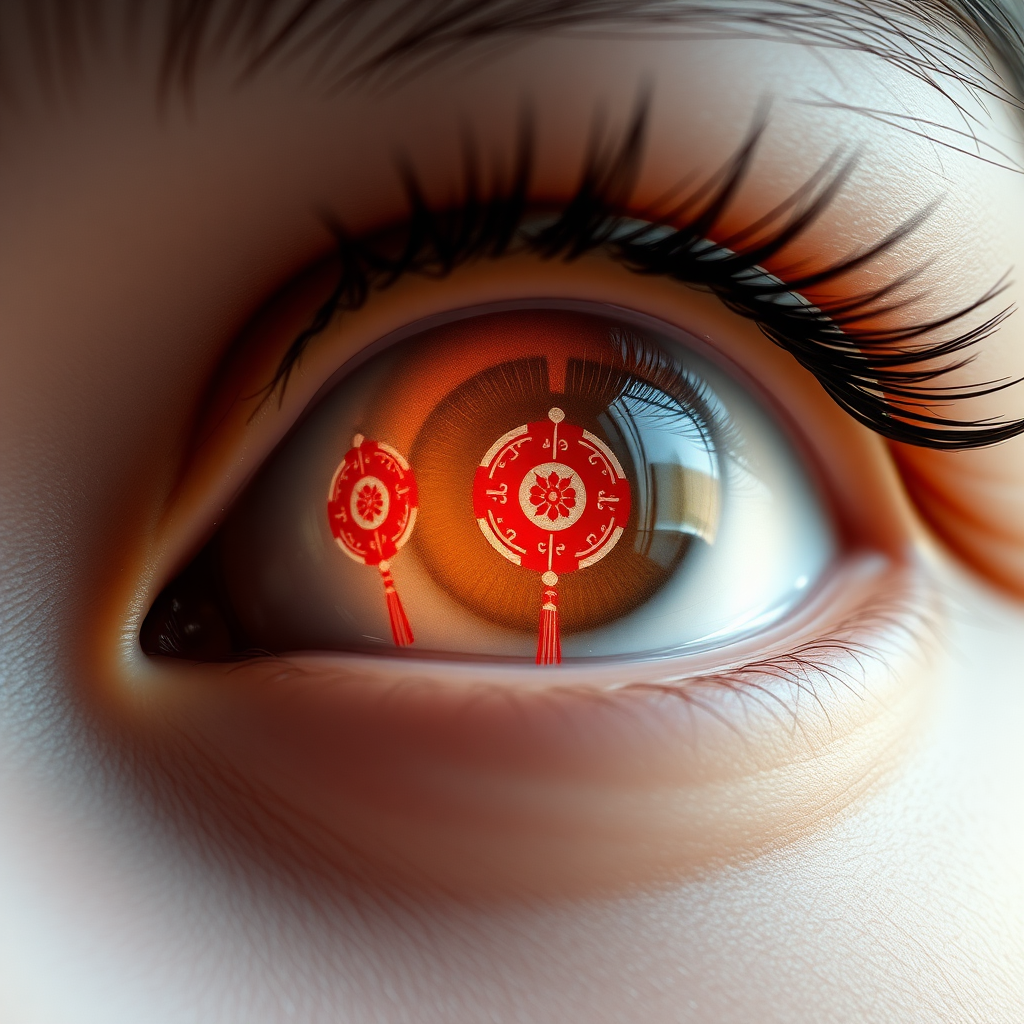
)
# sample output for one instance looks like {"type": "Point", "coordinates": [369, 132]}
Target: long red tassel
{"type": "Point", "coordinates": [400, 629]}
{"type": "Point", "coordinates": [549, 642]}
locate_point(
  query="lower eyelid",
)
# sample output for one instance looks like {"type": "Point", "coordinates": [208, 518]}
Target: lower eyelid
{"type": "Point", "coordinates": [426, 776]}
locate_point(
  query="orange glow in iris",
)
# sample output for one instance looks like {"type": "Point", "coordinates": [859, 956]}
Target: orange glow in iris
{"type": "Point", "coordinates": [448, 399]}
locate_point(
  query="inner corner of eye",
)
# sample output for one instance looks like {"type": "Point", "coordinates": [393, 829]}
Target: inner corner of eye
{"type": "Point", "coordinates": [538, 484]}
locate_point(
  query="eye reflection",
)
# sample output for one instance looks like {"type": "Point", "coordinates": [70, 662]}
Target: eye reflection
{"type": "Point", "coordinates": [553, 484]}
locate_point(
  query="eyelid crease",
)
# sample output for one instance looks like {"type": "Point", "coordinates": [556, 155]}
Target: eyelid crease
{"type": "Point", "coordinates": [883, 377]}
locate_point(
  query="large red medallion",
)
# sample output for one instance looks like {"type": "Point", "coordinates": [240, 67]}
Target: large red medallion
{"type": "Point", "coordinates": [371, 508]}
{"type": "Point", "coordinates": [551, 497]}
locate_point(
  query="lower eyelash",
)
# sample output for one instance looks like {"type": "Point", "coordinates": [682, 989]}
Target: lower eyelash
{"type": "Point", "coordinates": [894, 622]}
{"type": "Point", "coordinates": [838, 660]}
{"type": "Point", "coordinates": [884, 378]}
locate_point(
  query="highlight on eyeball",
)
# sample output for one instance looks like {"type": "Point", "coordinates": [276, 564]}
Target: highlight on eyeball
{"type": "Point", "coordinates": [540, 484]}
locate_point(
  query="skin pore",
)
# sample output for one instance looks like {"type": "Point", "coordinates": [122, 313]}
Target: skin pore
{"type": "Point", "coordinates": [270, 840]}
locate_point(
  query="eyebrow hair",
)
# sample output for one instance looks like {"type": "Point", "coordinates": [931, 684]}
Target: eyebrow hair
{"type": "Point", "coordinates": [356, 41]}
{"type": "Point", "coordinates": [360, 42]}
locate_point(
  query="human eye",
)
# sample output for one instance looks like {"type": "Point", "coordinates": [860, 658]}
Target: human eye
{"type": "Point", "coordinates": [774, 774]}
{"type": "Point", "coordinates": [792, 600]}
{"type": "Point", "coordinates": [283, 593]}
{"type": "Point", "coordinates": [682, 519]}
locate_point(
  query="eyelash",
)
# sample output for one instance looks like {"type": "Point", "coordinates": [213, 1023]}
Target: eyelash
{"type": "Point", "coordinates": [781, 683]}
{"type": "Point", "coordinates": [877, 375]}
{"type": "Point", "coordinates": [836, 661]}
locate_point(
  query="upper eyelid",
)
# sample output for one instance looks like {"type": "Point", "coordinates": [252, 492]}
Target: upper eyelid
{"type": "Point", "coordinates": [883, 377]}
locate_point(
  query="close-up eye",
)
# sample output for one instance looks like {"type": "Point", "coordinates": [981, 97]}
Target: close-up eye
{"type": "Point", "coordinates": [533, 484]}
{"type": "Point", "coordinates": [526, 541]}
{"type": "Point", "coordinates": [511, 511]}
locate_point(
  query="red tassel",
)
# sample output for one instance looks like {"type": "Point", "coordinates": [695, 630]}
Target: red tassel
{"type": "Point", "coordinates": [400, 629]}
{"type": "Point", "coordinates": [549, 642]}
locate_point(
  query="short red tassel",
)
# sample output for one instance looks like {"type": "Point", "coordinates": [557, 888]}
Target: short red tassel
{"type": "Point", "coordinates": [549, 643]}
{"type": "Point", "coordinates": [400, 629]}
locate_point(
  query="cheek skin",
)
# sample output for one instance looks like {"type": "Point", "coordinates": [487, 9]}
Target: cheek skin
{"type": "Point", "coordinates": [910, 909]}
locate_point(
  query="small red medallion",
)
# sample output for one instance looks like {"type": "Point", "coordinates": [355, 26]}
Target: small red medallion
{"type": "Point", "coordinates": [371, 508]}
{"type": "Point", "coordinates": [551, 497]}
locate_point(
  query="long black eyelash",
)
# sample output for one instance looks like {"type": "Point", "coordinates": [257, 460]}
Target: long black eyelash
{"type": "Point", "coordinates": [883, 377]}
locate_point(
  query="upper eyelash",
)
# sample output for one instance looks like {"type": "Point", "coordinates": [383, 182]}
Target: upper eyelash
{"type": "Point", "coordinates": [880, 376]}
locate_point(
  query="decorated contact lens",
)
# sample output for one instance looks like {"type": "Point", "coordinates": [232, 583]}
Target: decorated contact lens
{"type": "Point", "coordinates": [531, 483]}
{"type": "Point", "coordinates": [371, 509]}
{"type": "Point", "coordinates": [552, 498]}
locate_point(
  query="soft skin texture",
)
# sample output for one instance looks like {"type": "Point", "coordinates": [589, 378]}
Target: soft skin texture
{"type": "Point", "coordinates": [183, 843]}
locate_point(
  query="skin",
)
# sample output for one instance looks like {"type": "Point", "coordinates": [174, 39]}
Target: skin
{"type": "Point", "coordinates": [313, 840]}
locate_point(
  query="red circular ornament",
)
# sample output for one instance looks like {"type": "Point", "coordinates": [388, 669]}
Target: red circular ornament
{"type": "Point", "coordinates": [551, 497]}
{"type": "Point", "coordinates": [371, 508]}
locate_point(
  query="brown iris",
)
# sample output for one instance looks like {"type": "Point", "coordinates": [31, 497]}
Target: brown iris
{"type": "Point", "coordinates": [462, 426]}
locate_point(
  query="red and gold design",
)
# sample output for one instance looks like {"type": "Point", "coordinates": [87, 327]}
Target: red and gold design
{"type": "Point", "coordinates": [371, 508]}
{"type": "Point", "coordinates": [551, 497]}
